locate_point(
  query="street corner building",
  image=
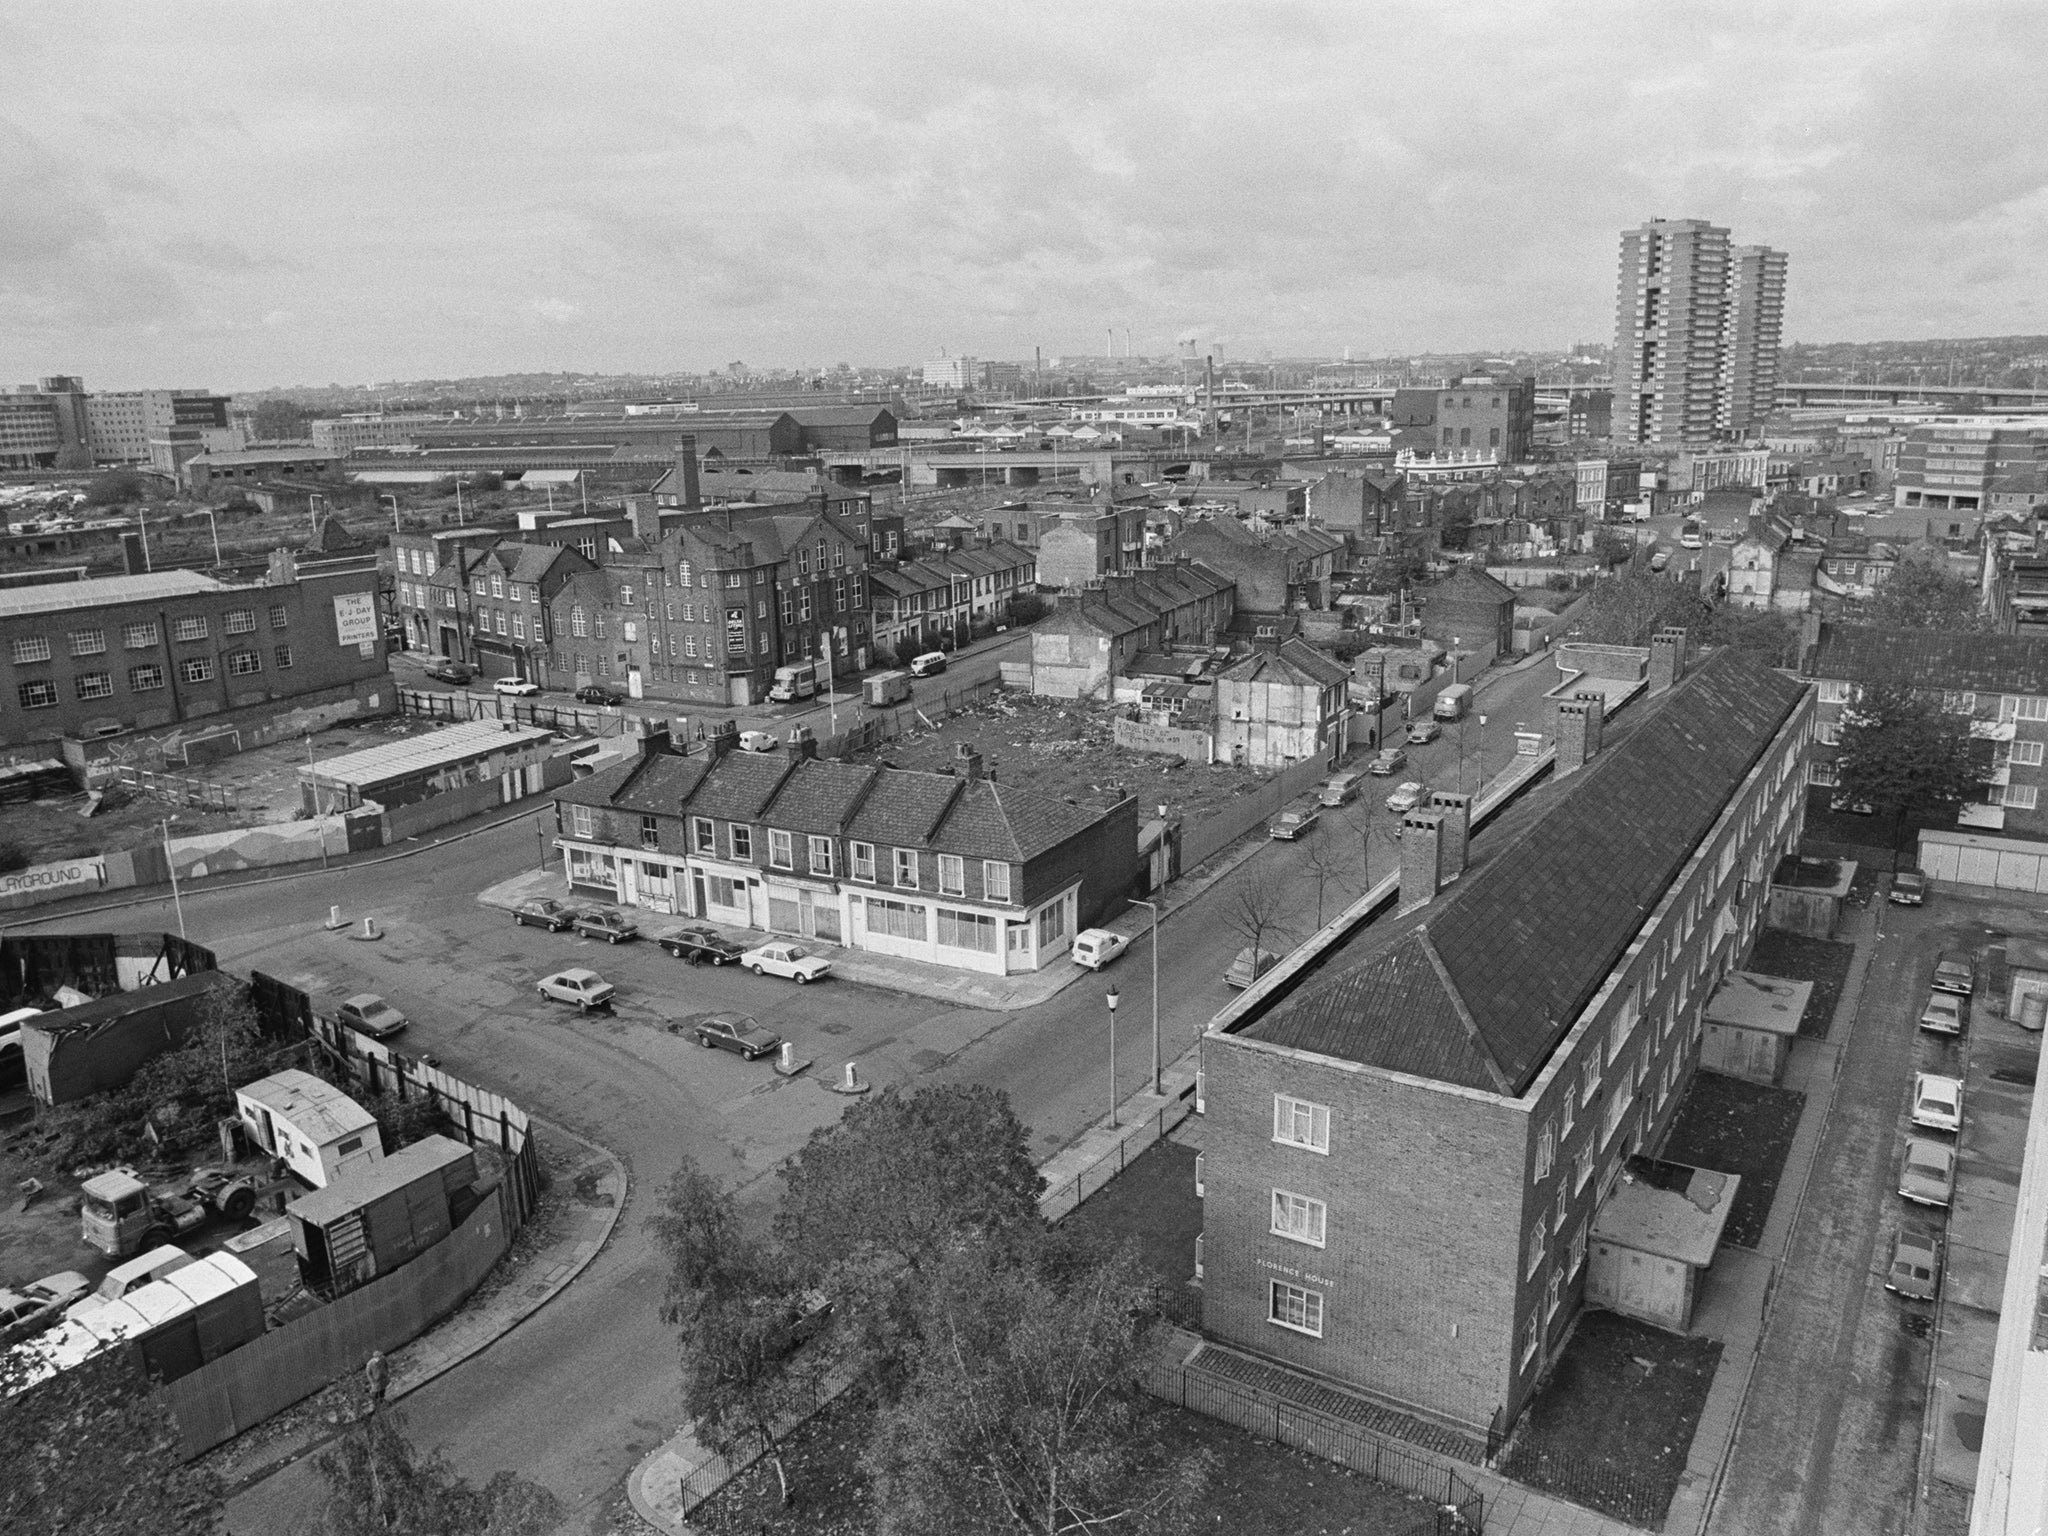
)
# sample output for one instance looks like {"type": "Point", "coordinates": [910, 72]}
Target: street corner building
{"type": "Point", "coordinates": [1410, 1135]}
{"type": "Point", "coordinates": [949, 868]}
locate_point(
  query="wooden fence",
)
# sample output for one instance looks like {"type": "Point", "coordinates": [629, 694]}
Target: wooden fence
{"type": "Point", "coordinates": [180, 789]}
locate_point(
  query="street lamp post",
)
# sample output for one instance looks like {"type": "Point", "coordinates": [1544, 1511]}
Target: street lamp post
{"type": "Point", "coordinates": [1112, 1000]}
{"type": "Point", "coordinates": [1482, 756]}
{"type": "Point", "coordinates": [387, 496]}
{"type": "Point", "coordinates": [213, 523]}
{"type": "Point", "coordinates": [1153, 908]}
{"type": "Point", "coordinates": [171, 864]}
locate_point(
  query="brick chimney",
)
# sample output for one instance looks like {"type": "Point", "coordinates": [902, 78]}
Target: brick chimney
{"type": "Point", "coordinates": [724, 737]}
{"type": "Point", "coordinates": [1455, 834]}
{"type": "Point", "coordinates": [645, 514]}
{"type": "Point", "coordinates": [654, 740]}
{"type": "Point", "coordinates": [133, 561]}
{"type": "Point", "coordinates": [1580, 719]}
{"type": "Point", "coordinates": [1421, 857]}
{"type": "Point", "coordinates": [1667, 659]}
{"type": "Point", "coordinates": [802, 742]}
{"type": "Point", "coordinates": [967, 760]}
{"type": "Point", "coordinates": [689, 493]}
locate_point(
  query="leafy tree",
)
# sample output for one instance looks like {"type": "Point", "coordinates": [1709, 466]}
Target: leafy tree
{"type": "Point", "coordinates": [734, 1302]}
{"type": "Point", "coordinates": [1628, 608]}
{"type": "Point", "coordinates": [185, 1090]}
{"type": "Point", "coordinates": [1387, 574]}
{"type": "Point", "coordinates": [1901, 754]}
{"type": "Point", "coordinates": [1612, 549]}
{"type": "Point", "coordinates": [1922, 593]}
{"type": "Point", "coordinates": [1769, 636]}
{"type": "Point", "coordinates": [114, 487]}
{"type": "Point", "coordinates": [279, 421]}
{"type": "Point", "coordinates": [94, 1451]}
{"type": "Point", "coordinates": [1025, 1414]}
{"type": "Point", "coordinates": [1026, 608]}
{"type": "Point", "coordinates": [379, 1484]}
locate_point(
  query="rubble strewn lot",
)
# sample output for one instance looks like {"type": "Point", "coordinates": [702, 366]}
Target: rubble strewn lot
{"type": "Point", "coordinates": [1062, 748]}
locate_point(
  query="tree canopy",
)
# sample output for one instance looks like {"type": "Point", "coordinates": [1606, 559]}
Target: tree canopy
{"type": "Point", "coordinates": [114, 486]}
{"type": "Point", "coordinates": [1765, 634]}
{"type": "Point", "coordinates": [1923, 593]}
{"type": "Point", "coordinates": [279, 420]}
{"type": "Point", "coordinates": [379, 1484]}
{"type": "Point", "coordinates": [1629, 607]}
{"type": "Point", "coordinates": [1901, 754]}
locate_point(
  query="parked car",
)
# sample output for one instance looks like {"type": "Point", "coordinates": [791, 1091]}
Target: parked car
{"type": "Point", "coordinates": [1937, 1101]}
{"type": "Point", "coordinates": [1096, 947]}
{"type": "Point", "coordinates": [1916, 1265]}
{"type": "Point", "coordinates": [1943, 1014]}
{"type": "Point", "coordinates": [448, 670]}
{"type": "Point", "coordinates": [1390, 761]}
{"type": "Point", "coordinates": [28, 1311]}
{"type": "Point", "coordinates": [1660, 560]}
{"type": "Point", "coordinates": [1338, 789]}
{"type": "Point", "coordinates": [1929, 1175]}
{"type": "Point", "coordinates": [1249, 966]}
{"type": "Point", "coordinates": [698, 944]}
{"type": "Point", "coordinates": [1953, 972]}
{"type": "Point", "coordinates": [369, 1013]}
{"type": "Point", "coordinates": [791, 960]}
{"type": "Point", "coordinates": [1407, 797]}
{"type": "Point", "coordinates": [597, 693]}
{"type": "Point", "coordinates": [928, 664]}
{"type": "Point", "coordinates": [1289, 825]}
{"type": "Point", "coordinates": [609, 926]}
{"type": "Point", "coordinates": [758, 741]}
{"type": "Point", "coordinates": [1423, 732]}
{"type": "Point", "coordinates": [585, 988]}
{"type": "Point", "coordinates": [1909, 888]}
{"type": "Point", "coordinates": [735, 1032]}
{"type": "Point", "coordinates": [544, 912]}
{"type": "Point", "coordinates": [517, 687]}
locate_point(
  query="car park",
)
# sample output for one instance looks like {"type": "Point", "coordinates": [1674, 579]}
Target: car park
{"type": "Point", "coordinates": [28, 1311]}
{"type": "Point", "coordinates": [1096, 947]}
{"type": "Point", "coordinates": [1916, 1264]}
{"type": "Point", "coordinates": [1407, 797]}
{"type": "Point", "coordinates": [699, 945]}
{"type": "Point", "coordinates": [585, 988]}
{"type": "Point", "coordinates": [1953, 972]}
{"type": "Point", "coordinates": [609, 926]}
{"type": "Point", "coordinates": [1929, 1174]}
{"type": "Point", "coordinates": [543, 912]}
{"type": "Point", "coordinates": [1289, 825]}
{"type": "Point", "coordinates": [1249, 966]}
{"type": "Point", "coordinates": [448, 670]}
{"type": "Point", "coordinates": [1390, 761]}
{"type": "Point", "coordinates": [758, 741]}
{"type": "Point", "coordinates": [597, 693]}
{"type": "Point", "coordinates": [1909, 888]}
{"type": "Point", "coordinates": [1937, 1102]}
{"type": "Point", "coordinates": [790, 960]}
{"type": "Point", "coordinates": [1943, 1014]}
{"type": "Point", "coordinates": [736, 1032]}
{"type": "Point", "coordinates": [517, 687]}
{"type": "Point", "coordinates": [368, 1012]}
{"type": "Point", "coordinates": [1423, 732]}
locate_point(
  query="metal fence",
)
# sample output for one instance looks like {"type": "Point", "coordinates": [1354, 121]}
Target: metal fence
{"type": "Point", "coordinates": [179, 789]}
{"type": "Point", "coordinates": [1608, 1490]}
{"type": "Point", "coordinates": [1063, 1198]}
{"type": "Point", "coordinates": [475, 706]}
{"type": "Point", "coordinates": [876, 726]}
{"type": "Point", "coordinates": [1457, 1507]}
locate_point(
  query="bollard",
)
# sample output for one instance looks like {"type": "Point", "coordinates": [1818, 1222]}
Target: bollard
{"type": "Point", "coordinates": [851, 1083]}
{"type": "Point", "coordinates": [368, 933]}
{"type": "Point", "coordinates": [335, 921]}
{"type": "Point", "coordinates": [786, 1063]}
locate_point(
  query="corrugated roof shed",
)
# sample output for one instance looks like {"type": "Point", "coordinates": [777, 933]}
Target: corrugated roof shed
{"type": "Point", "coordinates": [423, 754]}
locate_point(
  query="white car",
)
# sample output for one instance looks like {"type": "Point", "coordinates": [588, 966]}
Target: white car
{"type": "Point", "coordinates": [758, 741]}
{"type": "Point", "coordinates": [518, 687]}
{"type": "Point", "coordinates": [1937, 1102]}
{"type": "Point", "coordinates": [791, 960]}
{"type": "Point", "coordinates": [1096, 947]}
{"type": "Point", "coordinates": [585, 988]}
{"type": "Point", "coordinates": [1407, 797]}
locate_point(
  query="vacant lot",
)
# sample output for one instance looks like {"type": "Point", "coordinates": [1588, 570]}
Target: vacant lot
{"type": "Point", "coordinates": [1153, 1203]}
{"type": "Point", "coordinates": [1738, 1127]}
{"type": "Point", "coordinates": [1613, 1426]}
{"type": "Point", "coordinates": [1063, 748]}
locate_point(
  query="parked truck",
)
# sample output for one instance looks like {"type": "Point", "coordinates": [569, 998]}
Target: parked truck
{"type": "Point", "coordinates": [794, 682]}
{"type": "Point", "coordinates": [122, 1215]}
{"type": "Point", "coordinates": [177, 1324]}
{"type": "Point", "coordinates": [1452, 703]}
{"type": "Point", "coordinates": [886, 688]}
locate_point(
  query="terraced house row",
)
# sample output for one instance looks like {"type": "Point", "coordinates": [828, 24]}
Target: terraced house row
{"type": "Point", "coordinates": [951, 868]}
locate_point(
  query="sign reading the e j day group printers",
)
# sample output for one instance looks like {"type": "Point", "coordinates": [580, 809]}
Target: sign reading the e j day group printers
{"type": "Point", "coordinates": [355, 620]}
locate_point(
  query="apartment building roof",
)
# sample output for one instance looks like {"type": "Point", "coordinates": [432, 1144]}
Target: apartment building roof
{"type": "Point", "coordinates": [529, 563]}
{"type": "Point", "coordinates": [1930, 659]}
{"type": "Point", "coordinates": [1478, 987]}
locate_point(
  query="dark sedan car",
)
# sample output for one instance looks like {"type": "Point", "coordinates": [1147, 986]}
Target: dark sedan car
{"type": "Point", "coordinates": [699, 944]}
{"type": "Point", "coordinates": [609, 926]}
{"type": "Point", "coordinates": [541, 912]}
{"type": "Point", "coordinates": [735, 1032]}
{"type": "Point", "coordinates": [595, 693]}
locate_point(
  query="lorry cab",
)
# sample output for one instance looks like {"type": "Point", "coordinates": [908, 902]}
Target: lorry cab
{"type": "Point", "coordinates": [115, 1211]}
{"type": "Point", "coordinates": [791, 683]}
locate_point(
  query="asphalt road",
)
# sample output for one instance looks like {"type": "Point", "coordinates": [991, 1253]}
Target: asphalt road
{"type": "Point", "coordinates": [587, 1385]}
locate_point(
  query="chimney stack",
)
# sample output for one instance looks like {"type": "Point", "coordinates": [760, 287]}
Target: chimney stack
{"type": "Point", "coordinates": [967, 760]}
{"type": "Point", "coordinates": [724, 737]}
{"type": "Point", "coordinates": [133, 561]}
{"type": "Point", "coordinates": [802, 742]}
{"type": "Point", "coordinates": [1667, 659]}
{"type": "Point", "coordinates": [645, 515]}
{"type": "Point", "coordinates": [1421, 857]}
{"type": "Point", "coordinates": [1580, 719]}
{"type": "Point", "coordinates": [689, 493]}
{"type": "Point", "coordinates": [1455, 833]}
{"type": "Point", "coordinates": [654, 740]}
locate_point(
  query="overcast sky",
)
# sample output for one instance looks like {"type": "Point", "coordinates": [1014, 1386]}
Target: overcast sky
{"type": "Point", "coordinates": [240, 195]}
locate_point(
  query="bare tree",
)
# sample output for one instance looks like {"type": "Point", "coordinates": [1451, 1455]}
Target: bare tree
{"type": "Point", "coordinates": [1319, 853]}
{"type": "Point", "coordinates": [1254, 907]}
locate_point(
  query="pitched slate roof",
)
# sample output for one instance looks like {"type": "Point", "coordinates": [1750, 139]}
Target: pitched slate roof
{"type": "Point", "coordinates": [1489, 977]}
{"type": "Point", "coordinates": [1468, 585]}
{"type": "Point", "coordinates": [1930, 658]}
{"type": "Point", "coordinates": [905, 809]}
{"type": "Point", "coordinates": [1296, 662]}
{"type": "Point", "coordinates": [820, 796]}
{"type": "Point", "coordinates": [995, 821]}
{"type": "Point", "coordinates": [740, 785]}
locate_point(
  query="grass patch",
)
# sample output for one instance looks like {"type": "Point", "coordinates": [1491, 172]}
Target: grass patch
{"type": "Point", "coordinates": [1256, 1486]}
{"type": "Point", "coordinates": [1799, 958]}
{"type": "Point", "coordinates": [1733, 1126]}
{"type": "Point", "coordinates": [1153, 1201]}
{"type": "Point", "coordinates": [1612, 1427]}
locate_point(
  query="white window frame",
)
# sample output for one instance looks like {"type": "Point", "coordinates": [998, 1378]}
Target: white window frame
{"type": "Point", "coordinates": [739, 842]}
{"type": "Point", "coordinates": [30, 649]}
{"type": "Point", "coordinates": [903, 861]}
{"type": "Point", "coordinates": [1295, 1308]}
{"type": "Point", "coordinates": [2014, 706]}
{"type": "Point", "coordinates": [2020, 797]}
{"type": "Point", "coordinates": [1546, 1152]}
{"type": "Point", "coordinates": [1300, 1218]}
{"type": "Point", "coordinates": [88, 642]}
{"type": "Point", "coordinates": [862, 857]}
{"type": "Point", "coordinates": [995, 880]}
{"type": "Point", "coordinates": [703, 835]}
{"type": "Point", "coordinates": [781, 849]}
{"type": "Point", "coordinates": [821, 855]}
{"type": "Point", "coordinates": [581, 823]}
{"type": "Point", "coordinates": [1301, 1123]}
{"type": "Point", "coordinates": [952, 875]}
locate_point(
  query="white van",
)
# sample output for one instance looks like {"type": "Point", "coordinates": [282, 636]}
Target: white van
{"type": "Point", "coordinates": [928, 663]}
{"type": "Point", "coordinates": [1452, 703]}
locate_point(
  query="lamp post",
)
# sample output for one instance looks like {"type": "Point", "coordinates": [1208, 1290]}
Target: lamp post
{"type": "Point", "coordinates": [171, 864]}
{"type": "Point", "coordinates": [214, 524]}
{"type": "Point", "coordinates": [1153, 908]}
{"type": "Point", "coordinates": [387, 496]}
{"type": "Point", "coordinates": [1482, 756]}
{"type": "Point", "coordinates": [1112, 1000]}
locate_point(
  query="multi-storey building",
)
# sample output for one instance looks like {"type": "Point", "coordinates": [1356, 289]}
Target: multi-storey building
{"type": "Point", "coordinates": [1999, 683]}
{"type": "Point", "coordinates": [344, 435]}
{"type": "Point", "coordinates": [512, 592]}
{"type": "Point", "coordinates": [430, 587]}
{"type": "Point", "coordinates": [1283, 704]}
{"type": "Point", "coordinates": [57, 423]}
{"type": "Point", "coordinates": [1697, 325]}
{"type": "Point", "coordinates": [921, 603]}
{"type": "Point", "coordinates": [949, 868]}
{"type": "Point", "coordinates": [122, 426]}
{"type": "Point", "coordinates": [1410, 1129]}
{"type": "Point", "coordinates": [1973, 464]}
{"type": "Point", "coordinates": [118, 653]}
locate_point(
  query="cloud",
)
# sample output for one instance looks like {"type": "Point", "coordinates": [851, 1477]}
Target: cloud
{"type": "Point", "coordinates": [217, 255]}
{"type": "Point", "coordinates": [555, 311]}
